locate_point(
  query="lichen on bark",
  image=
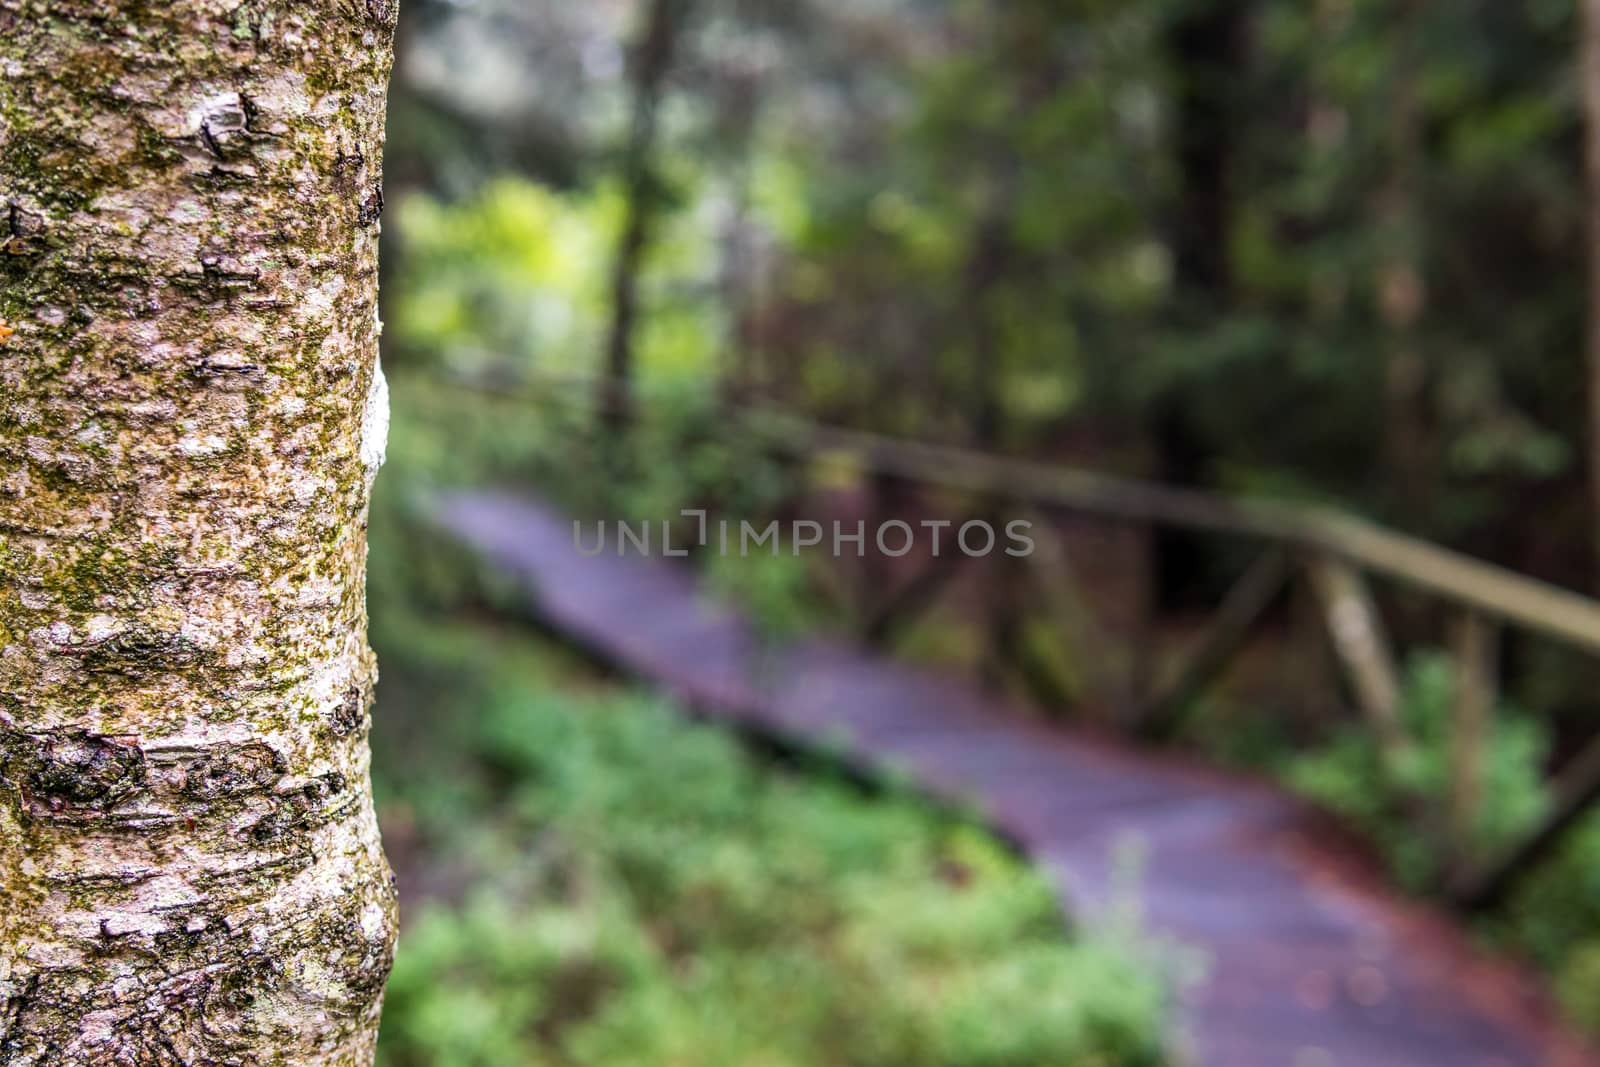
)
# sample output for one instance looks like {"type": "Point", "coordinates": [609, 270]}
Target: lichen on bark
{"type": "Point", "coordinates": [190, 870]}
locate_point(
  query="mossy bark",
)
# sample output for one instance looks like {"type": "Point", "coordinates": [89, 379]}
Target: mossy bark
{"type": "Point", "coordinates": [191, 414]}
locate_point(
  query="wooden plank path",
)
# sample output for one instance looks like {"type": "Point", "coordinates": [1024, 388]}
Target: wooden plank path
{"type": "Point", "coordinates": [1310, 961]}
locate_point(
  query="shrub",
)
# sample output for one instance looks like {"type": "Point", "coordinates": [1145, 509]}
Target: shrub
{"type": "Point", "coordinates": [648, 895]}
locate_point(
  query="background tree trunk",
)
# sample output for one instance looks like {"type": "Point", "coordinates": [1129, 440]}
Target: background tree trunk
{"type": "Point", "coordinates": [191, 414]}
{"type": "Point", "coordinates": [1591, 96]}
{"type": "Point", "coordinates": [1207, 47]}
{"type": "Point", "coordinates": [652, 62]}
{"type": "Point", "coordinates": [1402, 283]}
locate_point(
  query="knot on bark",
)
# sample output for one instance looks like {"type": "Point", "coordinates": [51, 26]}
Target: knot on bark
{"type": "Point", "coordinates": [230, 371]}
{"type": "Point", "coordinates": [348, 167]}
{"type": "Point", "coordinates": [371, 207]}
{"type": "Point", "coordinates": [350, 715]}
{"type": "Point", "coordinates": [301, 808]}
{"type": "Point", "coordinates": [21, 233]}
{"type": "Point", "coordinates": [219, 278]}
{"type": "Point", "coordinates": [58, 772]}
{"type": "Point", "coordinates": [226, 126]}
{"type": "Point", "coordinates": [139, 650]}
{"type": "Point", "coordinates": [233, 771]}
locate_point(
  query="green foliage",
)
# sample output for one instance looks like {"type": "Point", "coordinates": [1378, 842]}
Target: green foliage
{"type": "Point", "coordinates": [1555, 919]}
{"type": "Point", "coordinates": [1578, 985]}
{"type": "Point", "coordinates": [516, 280]}
{"type": "Point", "coordinates": [776, 591]}
{"type": "Point", "coordinates": [1348, 777]}
{"type": "Point", "coordinates": [646, 895]}
{"type": "Point", "coordinates": [713, 462]}
{"type": "Point", "coordinates": [516, 271]}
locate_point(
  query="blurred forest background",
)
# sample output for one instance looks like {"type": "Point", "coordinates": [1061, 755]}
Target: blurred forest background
{"type": "Point", "coordinates": [1334, 251]}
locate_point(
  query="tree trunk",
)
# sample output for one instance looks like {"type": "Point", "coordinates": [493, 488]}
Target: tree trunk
{"type": "Point", "coordinates": [1206, 46]}
{"type": "Point", "coordinates": [1591, 96]}
{"type": "Point", "coordinates": [191, 415]}
{"type": "Point", "coordinates": [1402, 285]}
{"type": "Point", "coordinates": [652, 63]}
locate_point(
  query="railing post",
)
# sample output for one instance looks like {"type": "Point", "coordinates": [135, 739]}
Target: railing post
{"type": "Point", "coordinates": [1094, 654]}
{"type": "Point", "coordinates": [900, 608]}
{"type": "Point", "coordinates": [1249, 599]}
{"type": "Point", "coordinates": [1359, 639]}
{"type": "Point", "coordinates": [1476, 648]}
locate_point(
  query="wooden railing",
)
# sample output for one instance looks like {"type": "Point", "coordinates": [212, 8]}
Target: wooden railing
{"type": "Point", "coordinates": [1334, 553]}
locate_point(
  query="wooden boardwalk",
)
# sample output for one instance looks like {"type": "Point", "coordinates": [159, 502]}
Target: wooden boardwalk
{"type": "Point", "coordinates": [1310, 961]}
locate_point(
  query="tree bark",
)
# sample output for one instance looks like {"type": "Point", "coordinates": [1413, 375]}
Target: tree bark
{"type": "Point", "coordinates": [191, 415]}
